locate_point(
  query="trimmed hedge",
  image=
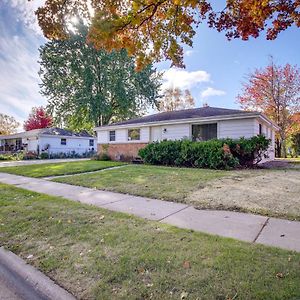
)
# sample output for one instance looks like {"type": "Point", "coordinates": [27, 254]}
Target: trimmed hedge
{"type": "Point", "coordinates": [212, 154]}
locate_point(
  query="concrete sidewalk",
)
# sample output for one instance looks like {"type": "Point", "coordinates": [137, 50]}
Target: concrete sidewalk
{"type": "Point", "coordinates": [246, 227]}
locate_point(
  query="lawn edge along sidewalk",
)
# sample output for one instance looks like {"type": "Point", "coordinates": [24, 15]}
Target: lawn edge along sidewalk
{"type": "Point", "coordinates": [242, 226]}
{"type": "Point", "coordinates": [28, 282]}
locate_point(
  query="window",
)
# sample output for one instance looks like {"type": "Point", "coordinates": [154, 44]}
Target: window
{"type": "Point", "coordinates": [134, 134]}
{"type": "Point", "coordinates": [63, 141]}
{"type": "Point", "coordinates": [204, 132]}
{"type": "Point", "coordinates": [112, 136]}
{"type": "Point", "coordinates": [260, 129]}
{"type": "Point", "coordinates": [91, 143]}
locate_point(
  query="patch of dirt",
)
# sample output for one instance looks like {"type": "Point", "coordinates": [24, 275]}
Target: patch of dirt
{"type": "Point", "coordinates": [268, 192]}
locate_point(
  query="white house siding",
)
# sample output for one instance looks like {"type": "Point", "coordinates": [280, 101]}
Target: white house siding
{"type": "Point", "coordinates": [170, 132]}
{"type": "Point", "coordinates": [79, 145]}
{"type": "Point", "coordinates": [122, 136]}
{"type": "Point", "coordinates": [32, 144]}
{"type": "Point", "coordinates": [269, 133]}
{"type": "Point", "coordinates": [236, 128]}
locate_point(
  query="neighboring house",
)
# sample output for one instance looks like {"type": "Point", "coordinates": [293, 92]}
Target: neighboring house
{"type": "Point", "coordinates": [50, 140]}
{"type": "Point", "coordinates": [123, 140]}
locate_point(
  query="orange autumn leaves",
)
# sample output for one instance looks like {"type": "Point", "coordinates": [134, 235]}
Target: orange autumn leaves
{"type": "Point", "coordinates": [155, 30]}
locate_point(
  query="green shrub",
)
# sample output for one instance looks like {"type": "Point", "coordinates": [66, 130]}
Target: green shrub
{"type": "Point", "coordinates": [102, 156]}
{"type": "Point", "coordinates": [44, 155]}
{"type": "Point", "coordinates": [212, 154]}
{"type": "Point", "coordinates": [14, 156]}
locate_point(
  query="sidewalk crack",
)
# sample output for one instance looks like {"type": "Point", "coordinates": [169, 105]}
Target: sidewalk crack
{"type": "Point", "coordinates": [173, 213]}
{"type": "Point", "coordinates": [260, 231]}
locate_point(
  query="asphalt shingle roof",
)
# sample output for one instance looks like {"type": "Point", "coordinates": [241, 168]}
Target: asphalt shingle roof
{"type": "Point", "coordinates": [201, 112]}
{"type": "Point", "coordinates": [64, 132]}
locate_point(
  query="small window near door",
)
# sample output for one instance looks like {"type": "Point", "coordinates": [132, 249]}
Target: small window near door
{"type": "Point", "coordinates": [63, 141]}
{"type": "Point", "coordinates": [91, 143]}
{"type": "Point", "coordinates": [134, 134]}
{"type": "Point", "coordinates": [260, 129]}
{"type": "Point", "coordinates": [204, 132]}
{"type": "Point", "coordinates": [112, 135]}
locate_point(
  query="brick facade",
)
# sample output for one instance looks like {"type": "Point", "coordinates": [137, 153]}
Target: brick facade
{"type": "Point", "coordinates": [124, 151]}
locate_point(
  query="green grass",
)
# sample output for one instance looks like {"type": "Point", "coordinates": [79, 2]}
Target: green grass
{"type": "Point", "coordinates": [56, 169]}
{"type": "Point", "coordinates": [97, 254]}
{"type": "Point", "coordinates": [150, 181]}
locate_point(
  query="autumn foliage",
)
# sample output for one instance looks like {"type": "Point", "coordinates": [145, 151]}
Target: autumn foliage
{"type": "Point", "coordinates": [176, 99]}
{"type": "Point", "coordinates": [38, 119]}
{"type": "Point", "coordinates": [154, 30]}
{"type": "Point", "coordinates": [275, 91]}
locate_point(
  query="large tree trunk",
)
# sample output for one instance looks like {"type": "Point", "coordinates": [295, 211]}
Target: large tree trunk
{"type": "Point", "coordinates": [278, 148]}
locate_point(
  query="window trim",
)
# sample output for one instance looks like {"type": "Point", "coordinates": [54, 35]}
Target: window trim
{"type": "Point", "coordinates": [133, 140]}
{"type": "Point", "coordinates": [203, 124]}
{"type": "Point", "coordinates": [110, 136]}
{"type": "Point", "coordinates": [93, 143]}
{"type": "Point", "coordinates": [61, 141]}
{"type": "Point", "coordinates": [260, 129]}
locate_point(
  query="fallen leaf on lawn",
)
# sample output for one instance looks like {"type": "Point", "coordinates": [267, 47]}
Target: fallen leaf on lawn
{"type": "Point", "coordinates": [69, 221]}
{"type": "Point", "coordinates": [186, 264]}
{"type": "Point", "coordinates": [29, 256]}
{"type": "Point", "coordinates": [102, 217]}
{"type": "Point", "coordinates": [149, 285]}
{"type": "Point", "coordinates": [289, 259]}
{"type": "Point", "coordinates": [279, 275]}
{"type": "Point", "coordinates": [184, 295]}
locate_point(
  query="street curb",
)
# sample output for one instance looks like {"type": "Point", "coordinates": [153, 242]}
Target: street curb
{"type": "Point", "coordinates": [31, 277]}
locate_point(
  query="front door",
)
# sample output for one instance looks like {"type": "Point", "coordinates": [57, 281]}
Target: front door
{"type": "Point", "coordinates": [155, 134]}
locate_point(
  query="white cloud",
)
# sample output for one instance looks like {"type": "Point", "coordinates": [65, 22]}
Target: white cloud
{"type": "Point", "coordinates": [19, 80]}
{"type": "Point", "coordinates": [184, 79]}
{"type": "Point", "coordinates": [25, 11]}
{"type": "Point", "coordinates": [189, 52]}
{"type": "Point", "coordinates": [208, 92]}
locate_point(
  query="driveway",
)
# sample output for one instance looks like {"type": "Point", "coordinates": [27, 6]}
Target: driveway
{"type": "Point", "coordinates": [16, 163]}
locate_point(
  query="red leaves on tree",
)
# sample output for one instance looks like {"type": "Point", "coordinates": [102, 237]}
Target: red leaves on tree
{"type": "Point", "coordinates": [38, 119]}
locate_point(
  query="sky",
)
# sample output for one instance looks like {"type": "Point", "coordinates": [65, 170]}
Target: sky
{"type": "Point", "coordinates": [214, 73]}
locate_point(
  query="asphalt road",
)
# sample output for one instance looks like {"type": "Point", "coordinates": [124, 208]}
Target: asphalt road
{"type": "Point", "coordinates": [12, 287]}
{"type": "Point", "coordinates": [7, 291]}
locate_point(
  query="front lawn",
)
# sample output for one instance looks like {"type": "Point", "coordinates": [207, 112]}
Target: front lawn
{"type": "Point", "coordinates": [97, 254]}
{"type": "Point", "coordinates": [56, 169]}
{"type": "Point", "coordinates": [165, 183]}
{"type": "Point", "coordinates": [267, 192]}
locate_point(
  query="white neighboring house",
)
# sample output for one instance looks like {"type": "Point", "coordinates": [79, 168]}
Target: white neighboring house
{"type": "Point", "coordinates": [124, 139]}
{"type": "Point", "coordinates": [50, 140]}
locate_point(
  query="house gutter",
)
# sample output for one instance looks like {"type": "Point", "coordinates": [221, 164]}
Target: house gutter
{"type": "Point", "coordinates": [202, 120]}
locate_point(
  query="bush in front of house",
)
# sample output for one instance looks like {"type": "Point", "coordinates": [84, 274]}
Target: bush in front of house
{"type": "Point", "coordinates": [101, 156]}
{"type": "Point", "coordinates": [44, 155]}
{"type": "Point", "coordinates": [212, 154]}
{"type": "Point", "coordinates": [13, 156]}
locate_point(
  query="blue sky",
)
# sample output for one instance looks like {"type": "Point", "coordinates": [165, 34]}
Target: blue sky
{"type": "Point", "coordinates": [215, 67]}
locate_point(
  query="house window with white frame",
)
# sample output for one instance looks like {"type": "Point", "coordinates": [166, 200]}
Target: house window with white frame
{"type": "Point", "coordinates": [63, 141]}
{"type": "Point", "coordinates": [204, 132]}
{"type": "Point", "coordinates": [112, 136]}
{"type": "Point", "coordinates": [134, 134]}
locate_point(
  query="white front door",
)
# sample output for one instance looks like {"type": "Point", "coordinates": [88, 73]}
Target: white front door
{"type": "Point", "coordinates": [155, 134]}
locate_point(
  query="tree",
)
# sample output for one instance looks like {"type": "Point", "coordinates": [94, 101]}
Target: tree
{"type": "Point", "coordinates": [153, 30]}
{"type": "Point", "coordinates": [275, 91]}
{"type": "Point", "coordinates": [38, 118]}
{"type": "Point", "coordinates": [8, 124]}
{"type": "Point", "coordinates": [175, 99]}
{"type": "Point", "coordinates": [86, 87]}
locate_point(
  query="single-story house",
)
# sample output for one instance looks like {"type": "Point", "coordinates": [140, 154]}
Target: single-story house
{"type": "Point", "coordinates": [50, 140]}
{"type": "Point", "coordinates": [124, 139]}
